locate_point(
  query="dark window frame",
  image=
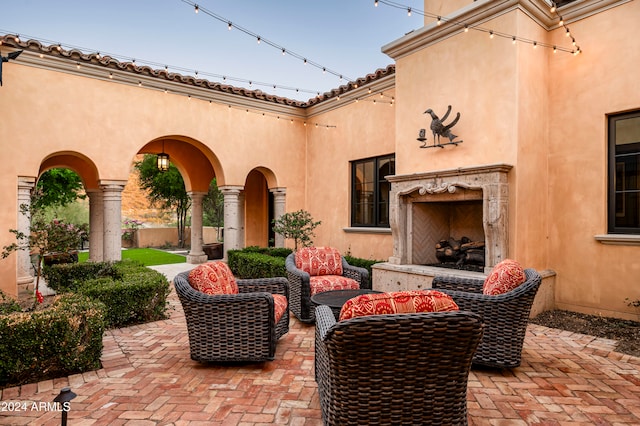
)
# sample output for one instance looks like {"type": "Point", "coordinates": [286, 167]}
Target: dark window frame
{"type": "Point", "coordinates": [377, 221]}
{"type": "Point", "coordinates": [617, 159]}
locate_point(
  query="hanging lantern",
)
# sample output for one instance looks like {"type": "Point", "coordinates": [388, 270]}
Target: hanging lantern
{"type": "Point", "coordinates": [163, 160]}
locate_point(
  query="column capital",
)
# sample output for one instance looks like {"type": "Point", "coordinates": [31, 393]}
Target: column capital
{"type": "Point", "coordinates": [231, 189]}
{"type": "Point", "coordinates": [112, 185]}
{"type": "Point", "coordinates": [278, 191]}
{"type": "Point", "coordinates": [26, 182]}
{"type": "Point", "coordinates": [196, 193]}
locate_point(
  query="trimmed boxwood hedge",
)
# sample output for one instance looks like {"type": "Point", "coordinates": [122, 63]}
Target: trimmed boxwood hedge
{"type": "Point", "coordinates": [60, 339]}
{"type": "Point", "coordinates": [131, 292]}
{"type": "Point", "coordinates": [258, 262]}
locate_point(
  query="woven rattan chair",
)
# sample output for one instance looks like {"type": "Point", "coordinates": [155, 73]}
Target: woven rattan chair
{"type": "Point", "coordinates": [505, 316]}
{"type": "Point", "coordinates": [400, 369]}
{"type": "Point", "coordinates": [299, 286]}
{"type": "Point", "coordinates": [233, 327]}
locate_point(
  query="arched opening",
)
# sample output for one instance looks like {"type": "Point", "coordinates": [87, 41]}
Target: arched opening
{"type": "Point", "coordinates": [258, 210]}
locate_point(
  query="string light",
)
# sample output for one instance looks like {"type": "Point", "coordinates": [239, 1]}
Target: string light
{"type": "Point", "coordinates": [196, 8]}
{"type": "Point", "coordinates": [259, 38]}
{"type": "Point", "coordinates": [514, 38]}
{"type": "Point", "coordinates": [166, 67]}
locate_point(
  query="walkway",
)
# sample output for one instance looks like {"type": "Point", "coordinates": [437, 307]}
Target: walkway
{"type": "Point", "coordinates": [148, 379]}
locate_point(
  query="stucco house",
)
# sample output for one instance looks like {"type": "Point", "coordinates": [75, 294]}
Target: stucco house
{"type": "Point", "coordinates": [545, 168]}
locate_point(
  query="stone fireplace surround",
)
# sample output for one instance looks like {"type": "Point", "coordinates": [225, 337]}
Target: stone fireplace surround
{"type": "Point", "coordinates": [426, 207]}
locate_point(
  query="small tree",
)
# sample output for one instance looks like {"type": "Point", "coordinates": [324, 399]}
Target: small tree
{"type": "Point", "coordinates": [165, 189]}
{"type": "Point", "coordinates": [44, 237]}
{"type": "Point", "coordinates": [298, 226]}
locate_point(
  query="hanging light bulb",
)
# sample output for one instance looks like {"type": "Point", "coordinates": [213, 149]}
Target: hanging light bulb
{"type": "Point", "coordinates": [258, 39]}
{"type": "Point", "coordinates": [553, 8]}
{"type": "Point", "coordinates": [409, 12]}
{"type": "Point", "coordinates": [513, 39]}
{"type": "Point", "coordinates": [163, 160]}
{"type": "Point", "coordinates": [466, 28]}
{"type": "Point", "coordinates": [568, 33]}
{"type": "Point", "coordinates": [555, 49]}
{"type": "Point", "coordinates": [535, 44]}
{"type": "Point", "coordinates": [490, 34]}
{"type": "Point", "coordinates": [375, 3]}
{"type": "Point", "coordinates": [230, 26]}
{"type": "Point", "coordinates": [561, 23]}
{"type": "Point", "coordinates": [439, 21]}
{"type": "Point", "coordinates": [283, 52]}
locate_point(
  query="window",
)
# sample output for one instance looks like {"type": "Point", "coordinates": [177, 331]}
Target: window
{"type": "Point", "coordinates": [624, 173]}
{"type": "Point", "coordinates": [370, 191]}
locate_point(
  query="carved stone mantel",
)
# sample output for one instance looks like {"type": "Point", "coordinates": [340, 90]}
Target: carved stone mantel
{"type": "Point", "coordinates": [488, 183]}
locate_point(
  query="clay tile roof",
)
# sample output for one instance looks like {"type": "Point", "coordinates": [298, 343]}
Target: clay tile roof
{"type": "Point", "coordinates": [110, 62]}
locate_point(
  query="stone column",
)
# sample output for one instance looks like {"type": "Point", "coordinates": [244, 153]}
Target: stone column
{"type": "Point", "coordinates": [241, 219]}
{"type": "Point", "coordinates": [112, 203]}
{"type": "Point", "coordinates": [279, 201]}
{"type": "Point", "coordinates": [25, 186]}
{"type": "Point", "coordinates": [96, 225]}
{"type": "Point", "coordinates": [231, 217]}
{"type": "Point", "coordinates": [196, 254]}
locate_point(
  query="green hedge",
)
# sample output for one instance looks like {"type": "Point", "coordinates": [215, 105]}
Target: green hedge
{"type": "Point", "coordinates": [61, 339]}
{"type": "Point", "coordinates": [131, 292]}
{"type": "Point", "coordinates": [363, 263]}
{"type": "Point", "coordinates": [257, 262]}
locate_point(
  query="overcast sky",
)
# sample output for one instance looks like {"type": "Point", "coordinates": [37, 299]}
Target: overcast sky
{"type": "Point", "coordinates": [344, 36]}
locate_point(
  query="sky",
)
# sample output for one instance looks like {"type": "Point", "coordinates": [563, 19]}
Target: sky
{"type": "Point", "coordinates": [344, 36]}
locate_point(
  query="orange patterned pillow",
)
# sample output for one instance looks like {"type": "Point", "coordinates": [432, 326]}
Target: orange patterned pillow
{"type": "Point", "coordinates": [399, 302]}
{"type": "Point", "coordinates": [280, 305]}
{"type": "Point", "coordinates": [319, 261]}
{"type": "Point", "coordinates": [506, 276]}
{"type": "Point", "coordinates": [213, 278]}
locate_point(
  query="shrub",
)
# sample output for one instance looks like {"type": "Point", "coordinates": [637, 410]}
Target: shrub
{"type": "Point", "coordinates": [255, 262]}
{"type": "Point", "coordinates": [131, 292]}
{"type": "Point", "coordinates": [68, 276]}
{"type": "Point", "coordinates": [8, 304]}
{"type": "Point", "coordinates": [137, 298]}
{"type": "Point", "coordinates": [61, 339]}
{"type": "Point", "coordinates": [363, 263]}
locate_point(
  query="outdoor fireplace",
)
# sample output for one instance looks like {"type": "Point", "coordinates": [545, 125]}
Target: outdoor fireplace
{"type": "Point", "coordinates": [429, 207]}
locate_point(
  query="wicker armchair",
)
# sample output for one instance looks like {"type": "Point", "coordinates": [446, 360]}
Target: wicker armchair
{"type": "Point", "coordinates": [505, 316]}
{"type": "Point", "coordinates": [233, 327]}
{"type": "Point", "coordinates": [400, 369]}
{"type": "Point", "coordinates": [300, 286]}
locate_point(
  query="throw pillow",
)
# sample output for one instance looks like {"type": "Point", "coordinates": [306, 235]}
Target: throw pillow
{"type": "Point", "coordinates": [506, 276]}
{"type": "Point", "coordinates": [319, 261]}
{"type": "Point", "coordinates": [399, 302]}
{"type": "Point", "coordinates": [213, 278]}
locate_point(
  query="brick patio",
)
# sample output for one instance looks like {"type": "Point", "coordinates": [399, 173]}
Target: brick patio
{"type": "Point", "coordinates": [148, 379]}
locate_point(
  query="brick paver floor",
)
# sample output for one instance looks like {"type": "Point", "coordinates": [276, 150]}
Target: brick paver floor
{"type": "Point", "coordinates": [148, 379]}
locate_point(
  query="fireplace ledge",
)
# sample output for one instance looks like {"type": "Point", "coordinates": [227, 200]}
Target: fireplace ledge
{"type": "Point", "coordinates": [391, 277]}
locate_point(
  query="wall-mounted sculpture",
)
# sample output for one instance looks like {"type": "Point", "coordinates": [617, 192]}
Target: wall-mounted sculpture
{"type": "Point", "coordinates": [12, 55]}
{"type": "Point", "coordinates": [439, 129]}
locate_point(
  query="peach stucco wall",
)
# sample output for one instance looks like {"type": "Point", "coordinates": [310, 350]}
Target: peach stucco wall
{"type": "Point", "coordinates": [603, 80]}
{"type": "Point", "coordinates": [362, 129]}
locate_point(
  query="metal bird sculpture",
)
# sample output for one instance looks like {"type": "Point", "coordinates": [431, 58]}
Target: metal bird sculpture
{"type": "Point", "coordinates": [3, 59]}
{"type": "Point", "coordinates": [439, 129]}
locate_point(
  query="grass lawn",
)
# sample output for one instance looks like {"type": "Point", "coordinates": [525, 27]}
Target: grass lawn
{"type": "Point", "coordinates": [147, 256]}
